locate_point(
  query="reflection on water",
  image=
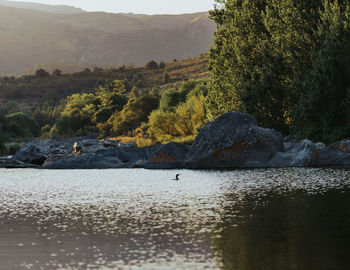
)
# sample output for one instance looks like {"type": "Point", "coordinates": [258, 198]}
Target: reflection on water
{"type": "Point", "coordinates": [139, 219]}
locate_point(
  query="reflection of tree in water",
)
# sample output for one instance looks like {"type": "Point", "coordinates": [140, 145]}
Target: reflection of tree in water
{"type": "Point", "coordinates": [297, 231]}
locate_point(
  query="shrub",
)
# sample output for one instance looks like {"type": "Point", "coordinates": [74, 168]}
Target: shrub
{"type": "Point", "coordinates": [97, 69]}
{"type": "Point", "coordinates": [170, 99]}
{"type": "Point", "coordinates": [57, 72]}
{"type": "Point", "coordinates": [180, 125]}
{"type": "Point", "coordinates": [166, 77]}
{"type": "Point", "coordinates": [14, 148]}
{"type": "Point", "coordinates": [22, 125]}
{"type": "Point", "coordinates": [3, 148]}
{"type": "Point", "coordinates": [173, 98]}
{"type": "Point", "coordinates": [42, 73]}
{"type": "Point", "coordinates": [134, 113]}
{"type": "Point", "coordinates": [152, 65]}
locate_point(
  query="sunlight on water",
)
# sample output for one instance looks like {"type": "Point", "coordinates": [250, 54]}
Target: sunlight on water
{"type": "Point", "coordinates": [141, 219]}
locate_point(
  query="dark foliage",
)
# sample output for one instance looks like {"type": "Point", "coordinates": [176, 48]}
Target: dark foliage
{"type": "Point", "coordinates": [271, 59]}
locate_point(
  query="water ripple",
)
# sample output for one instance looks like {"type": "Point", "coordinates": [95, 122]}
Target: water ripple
{"type": "Point", "coordinates": [134, 219]}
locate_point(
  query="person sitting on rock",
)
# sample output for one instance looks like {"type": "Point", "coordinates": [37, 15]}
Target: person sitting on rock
{"type": "Point", "coordinates": [76, 149]}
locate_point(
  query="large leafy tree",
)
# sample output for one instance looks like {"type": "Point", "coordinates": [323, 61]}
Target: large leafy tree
{"type": "Point", "coordinates": [260, 47]}
{"type": "Point", "coordinates": [323, 110]}
{"type": "Point", "coordinates": [133, 114]}
{"type": "Point", "coordinates": [21, 125]}
{"type": "Point", "coordinates": [111, 98]}
{"type": "Point", "coordinates": [83, 112]}
{"type": "Point", "coordinates": [268, 88]}
{"type": "Point", "coordinates": [77, 114]}
{"type": "Point", "coordinates": [236, 50]}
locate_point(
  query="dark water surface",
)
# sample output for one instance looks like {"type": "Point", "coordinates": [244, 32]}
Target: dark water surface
{"type": "Point", "coordinates": [139, 219]}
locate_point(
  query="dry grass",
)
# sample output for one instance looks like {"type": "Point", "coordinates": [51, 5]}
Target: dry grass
{"type": "Point", "coordinates": [32, 91]}
{"type": "Point", "coordinates": [139, 141]}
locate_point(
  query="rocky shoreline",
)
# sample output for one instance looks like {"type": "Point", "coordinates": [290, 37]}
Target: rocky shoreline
{"type": "Point", "coordinates": [234, 140]}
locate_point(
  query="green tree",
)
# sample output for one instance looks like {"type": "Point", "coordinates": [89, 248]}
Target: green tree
{"type": "Point", "coordinates": [323, 110]}
{"type": "Point", "coordinates": [239, 31]}
{"type": "Point", "coordinates": [57, 72]}
{"type": "Point", "coordinates": [166, 77]}
{"type": "Point", "coordinates": [112, 95]}
{"type": "Point", "coordinates": [261, 47]}
{"type": "Point", "coordinates": [170, 99]}
{"type": "Point", "coordinates": [42, 73]}
{"type": "Point", "coordinates": [134, 113]}
{"type": "Point", "coordinates": [152, 65]}
{"type": "Point", "coordinates": [21, 125]}
{"type": "Point", "coordinates": [181, 125]}
{"type": "Point", "coordinates": [112, 98]}
{"type": "Point", "coordinates": [77, 114]}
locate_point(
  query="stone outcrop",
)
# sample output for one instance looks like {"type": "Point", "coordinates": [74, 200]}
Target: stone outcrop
{"type": "Point", "coordinates": [168, 156]}
{"type": "Point", "coordinates": [89, 161]}
{"type": "Point", "coordinates": [234, 140]}
{"type": "Point", "coordinates": [335, 155]}
{"type": "Point", "coordinates": [301, 155]}
{"type": "Point", "coordinates": [30, 154]}
{"type": "Point", "coordinates": [310, 154]}
{"type": "Point", "coordinates": [131, 157]}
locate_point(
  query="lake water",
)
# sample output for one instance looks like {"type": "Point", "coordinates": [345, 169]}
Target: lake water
{"type": "Point", "coordinates": [141, 219]}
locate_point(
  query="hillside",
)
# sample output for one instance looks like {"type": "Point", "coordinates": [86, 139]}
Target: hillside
{"type": "Point", "coordinates": [61, 9]}
{"type": "Point", "coordinates": [30, 91]}
{"type": "Point", "coordinates": [32, 39]}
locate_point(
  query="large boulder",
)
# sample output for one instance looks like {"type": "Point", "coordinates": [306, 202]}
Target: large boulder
{"type": "Point", "coordinates": [89, 161]}
{"type": "Point", "coordinates": [335, 155]}
{"type": "Point", "coordinates": [290, 142]}
{"type": "Point", "coordinates": [301, 155]}
{"type": "Point", "coordinates": [234, 140]}
{"type": "Point", "coordinates": [167, 156]}
{"type": "Point", "coordinates": [130, 156]}
{"type": "Point", "coordinates": [30, 154]}
{"type": "Point", "coordinates": [308, 154]}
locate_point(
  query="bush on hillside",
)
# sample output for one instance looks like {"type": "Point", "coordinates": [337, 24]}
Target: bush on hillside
{"type": "Point", "coordinates": [184, 122]}
{"type": "Point", "coordinates": [42, 73]}
{"type": "Point", "coordinates": [134, 113]}
{"type": "Point", "coordinates": [152, 65]}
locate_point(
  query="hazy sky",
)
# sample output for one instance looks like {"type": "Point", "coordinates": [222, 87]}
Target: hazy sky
{"type": "Point", "coordinates": [136, 6]}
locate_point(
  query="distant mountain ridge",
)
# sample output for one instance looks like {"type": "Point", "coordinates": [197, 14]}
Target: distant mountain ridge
{"type": "Point", "coordinates": [86, 39]}
{"type": "Point", "coordinates": [60, 9]}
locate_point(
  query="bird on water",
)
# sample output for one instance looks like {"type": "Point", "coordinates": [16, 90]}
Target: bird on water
{"type": "Point", "coordinates": [177, 177]}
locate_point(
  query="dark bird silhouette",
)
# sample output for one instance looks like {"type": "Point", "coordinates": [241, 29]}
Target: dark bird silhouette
{"type": "Point", "coordinates": [177, 177]}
